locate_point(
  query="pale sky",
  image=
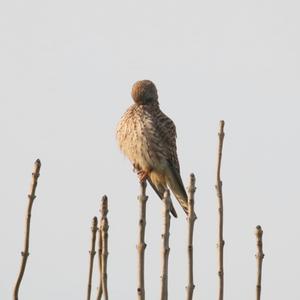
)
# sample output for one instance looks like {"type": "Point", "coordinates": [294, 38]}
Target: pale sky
{"type": "Point", "coordinates": [66, 72]}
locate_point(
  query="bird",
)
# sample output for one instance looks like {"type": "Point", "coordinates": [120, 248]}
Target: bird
{"type": "Point", "coordinates": [148, 138]}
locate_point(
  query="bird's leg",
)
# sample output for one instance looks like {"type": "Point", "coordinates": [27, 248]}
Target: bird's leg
{"type": "Point", "coordinates": [142, 175]}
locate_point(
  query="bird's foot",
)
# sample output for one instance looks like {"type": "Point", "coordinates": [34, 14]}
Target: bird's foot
{"type": "Point", "coordinates": [142, 175]}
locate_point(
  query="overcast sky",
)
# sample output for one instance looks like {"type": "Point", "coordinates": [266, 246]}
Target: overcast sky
{"type": "Point", "coordinates": [66, 71]}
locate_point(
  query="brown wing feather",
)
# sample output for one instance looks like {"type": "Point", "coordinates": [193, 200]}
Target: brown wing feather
{"type": "Point", "coordinates": [167, 132]}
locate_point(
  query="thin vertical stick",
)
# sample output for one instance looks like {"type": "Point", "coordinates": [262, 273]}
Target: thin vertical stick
{"type": "Point", "coordinates": [259, 257]}
{"type": "Point", "coordinates": [220, 244]}
{"type": "Point", "coordinates": [25, 253]}
{"type": "Point", "coordinates": [165, 245]}
{"type": "Point", "coordinates": [92, 255]}
{"type": "Point", "coordinates": [191, 220]}
{"type": "Point", "coordinates": [100, 249]}
{"type": "Point", "coordinates": [141, 246]}
{"type": "Point", "coordinates": [104, 236]}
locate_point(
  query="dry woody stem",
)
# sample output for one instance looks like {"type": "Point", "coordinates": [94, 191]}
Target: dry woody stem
{"type": "Point", "coordinates": [104, 253]}
{"type": "Point", "coordinates": [259, 257]}
{"type": "Point", "coordinates": [141, 246]}
{"type": "Point", "coordinates": [100, 244]}
{"type": "Point", "coordinates": [100, 289]}
{"type": "Point", "coordinates": [191, 220]}
{"type": "Point", "coordinates": [25, 252]}
{"type": "Point", "coordinates": [92, 255]}
{"type": "Point", "coordinates": [165, 251]}
{"type": "Point", "coordinates": [220, 244]}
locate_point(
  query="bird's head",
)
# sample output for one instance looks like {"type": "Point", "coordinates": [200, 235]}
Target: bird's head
{"type": "Point", "coordinates": [144, 92]}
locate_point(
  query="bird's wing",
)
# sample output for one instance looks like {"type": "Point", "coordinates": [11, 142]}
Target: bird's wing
{"type": "Point", "coordinates": [167, 132]}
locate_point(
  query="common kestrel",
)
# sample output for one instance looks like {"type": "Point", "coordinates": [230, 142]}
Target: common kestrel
{"type": "Point", "coordinates": [148, 138]}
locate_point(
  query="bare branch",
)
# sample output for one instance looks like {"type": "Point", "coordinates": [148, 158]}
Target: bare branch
{"type": "Point", "coordinates": [25, 253]}
{"type": "Point", "coordinates": [259, 257]}
{"type": "Point", "coordinates": [104, 236]}
{"type": "Point", "coordinates": [92, 255]}
{"type": "Point", "coordinates": [141, 246]}
{"type": "Point", "coordinates": [100, 249]}
{"type": "Point", "coordinates": [220, 244]}
{"type": "Point", "coordinates": [191, 220]}
{"type": "Point", "coordinates": [165, 245]}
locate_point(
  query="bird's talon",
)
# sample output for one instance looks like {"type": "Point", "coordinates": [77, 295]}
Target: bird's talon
{"type": "Point", "coordinates": [142, 175]}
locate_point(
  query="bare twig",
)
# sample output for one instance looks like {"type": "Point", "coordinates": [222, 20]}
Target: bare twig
{"type": "Point", "coordinates": [191, 220]}
{"type": "Point", "coordinates": [100, 249]}
{"type": "Point", "coordinates": [104, 236]}
{"type": "Point", "coordinates": [141, 246]}
{"type": "Point", "coordinates": [218, 187]}
{"type": "Point", "coordinates": [100, 288]}
{"type": "Point", "coordinates": [25, 253]}
{"type": "Point", "coordinates": [165, 245]}
{"type": "Point", "coordinates": [259, 257]}
{"type": "Point", "coordinates": [92, 255]}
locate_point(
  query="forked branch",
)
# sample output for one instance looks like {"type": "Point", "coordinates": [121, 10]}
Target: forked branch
{"type": "Point", "coordinates": [25, 252]}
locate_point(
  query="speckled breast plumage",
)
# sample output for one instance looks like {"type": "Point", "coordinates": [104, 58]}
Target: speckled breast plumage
{"type": "Point", "coordinates": [138, 140]}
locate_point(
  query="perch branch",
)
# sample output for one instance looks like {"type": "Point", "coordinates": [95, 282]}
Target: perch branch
{"type": "Point", "coordinates": [104, 254]}
{"type": "Point", "coordinates": [141, 246]}
{"type": "Point", "coordinates": [259, 257]}
{"type": "Point", "coordinates": [220, 244]}
{"type": "Point", "coordinates": [165, 245]}
{"type": "Point", "coordinates": [25, 253]}
{"type": "Point", "coordinates": [92, 255]}
{"type": "Point", "coordinates": [191, 220]}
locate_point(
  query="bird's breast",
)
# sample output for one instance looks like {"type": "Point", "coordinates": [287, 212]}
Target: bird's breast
{"type": "Point", "coordinates": [137, 138]}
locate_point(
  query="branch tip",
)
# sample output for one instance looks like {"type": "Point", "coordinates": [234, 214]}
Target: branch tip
{"type": "Point", "coordinates": [38, 162]}
{"type": "Point", "coordinates": [25, 253]}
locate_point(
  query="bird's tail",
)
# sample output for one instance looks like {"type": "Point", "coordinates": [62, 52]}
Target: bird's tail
{"type": "Point", "coordinates": [159, 190]}
{"type": "Point", "coordinates": [175, 183]}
